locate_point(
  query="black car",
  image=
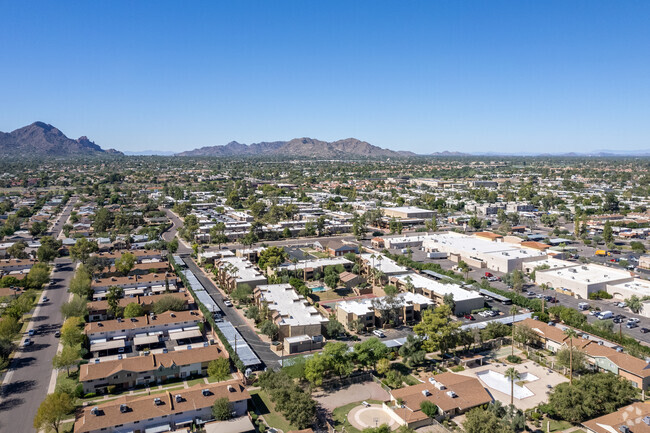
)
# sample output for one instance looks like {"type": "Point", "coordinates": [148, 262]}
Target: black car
{"type": "Point", "coordinates": [644, 330]}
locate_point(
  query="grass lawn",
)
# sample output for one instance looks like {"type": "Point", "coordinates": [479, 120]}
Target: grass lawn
{"type": "Point", "coordinates": [196, 381]}
{"type": "Point", "coordinates": [411, 380]}
{"type": "Point", "coordinates": [66, 427]}
{"type": "Point", "coordinates": [556, 425]}
{"type": "Point", "coordinates": [267, 409]}
{"type": "Point", "coordinates": [68, 382]}
{"type": "Point", "coordinates": [340, 416]}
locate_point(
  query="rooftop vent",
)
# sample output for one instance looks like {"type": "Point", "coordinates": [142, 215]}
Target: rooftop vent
{"type": "Point", "coordinates": [124, 408]}
{"type": "Point", "coordinates": [95, 411]}
{"type": "Point", "coordinates": [451, 394]}
{"type": "Point", "coordinates": [206, 392]}
{"type": "Point", "coordinates": [178, 398]}
{"type": "Point", "coordinates": [440, 386]}
{"type": "Point", "coordinates": [157, 401]}
{"type": "Point", "coordinates": [426, 393]}
{"type": "Point", "coordinates": [231, 388]}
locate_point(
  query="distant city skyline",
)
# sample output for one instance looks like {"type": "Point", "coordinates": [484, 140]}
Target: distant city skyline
{"type": "Point", "coordinates": [466, 76]}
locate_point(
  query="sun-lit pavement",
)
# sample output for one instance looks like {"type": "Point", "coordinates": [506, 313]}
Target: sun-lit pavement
{"type": "Point", "coordinates": [330, 400]}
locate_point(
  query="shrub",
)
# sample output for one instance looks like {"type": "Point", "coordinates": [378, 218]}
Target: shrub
{"type": "Point", "coordinates": [457, 368]}
{"type": "Point", "coordinates": [513, 359]}
{"type": "Point", "coordinates": [79, 391]}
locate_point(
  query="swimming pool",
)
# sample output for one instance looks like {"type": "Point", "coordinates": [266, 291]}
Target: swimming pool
{"type": "Point", "coordinates": [318, 289]}
{"type": "Point", "coordinates": [501, 383]}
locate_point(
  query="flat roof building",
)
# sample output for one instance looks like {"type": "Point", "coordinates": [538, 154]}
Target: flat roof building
{"type": "Point", "coordinates": [581, 280]}
{"type": "Point", "coordinates": [464, 300]}
{"type": "Point", "coordinates": [407, 212]}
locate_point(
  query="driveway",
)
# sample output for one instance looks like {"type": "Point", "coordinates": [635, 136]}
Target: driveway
{"type": "Point", "coordinates": [330, 400]}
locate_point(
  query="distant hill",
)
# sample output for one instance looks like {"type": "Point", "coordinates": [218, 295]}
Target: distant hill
{"type": "Point", "coordinates": [300, 147]}
{"type": "Point", "coordinates": [41, 139]}
{"type": "Point", "coordinates": [149, 153]}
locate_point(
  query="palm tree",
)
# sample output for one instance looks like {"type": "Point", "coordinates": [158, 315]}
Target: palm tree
{"type": "Point", "coordinates": [570, 332]}
{"type": "Point", "coordinates": [512, 375]}
{"type": "Point", "coordinates": [513, 311]}
{"type": "Point", "coordinates": [544, 288]}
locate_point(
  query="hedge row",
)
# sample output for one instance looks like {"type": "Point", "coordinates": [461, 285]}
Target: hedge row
{"type": "Point", "coordinates": [208, 316]}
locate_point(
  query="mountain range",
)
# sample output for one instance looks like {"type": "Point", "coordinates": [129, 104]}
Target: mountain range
{"type": "Point", "coordinates": [300, 147]}
{"type": "Point", "coordinates": [41, 139]}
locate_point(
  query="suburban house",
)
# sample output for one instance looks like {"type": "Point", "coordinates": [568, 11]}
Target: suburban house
{"type": "Point", "coordinates": [452, 393]}
{"type": "Point", "coordinates": [149, 369]}
{"type": "Point", "coordinates": [634, 418]}
{"type": "Point", "coordinates": [300, 325]}
{"type": "Point", "coordinates": [161, 412]}
{"type": "Point", "coordinates": [336, 248]}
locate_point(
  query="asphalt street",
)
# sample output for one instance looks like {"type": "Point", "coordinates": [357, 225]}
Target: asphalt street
{"type": "Point", "coordinates": [270, 359]}
{"type": "Point", "coordinates": [27, 380]}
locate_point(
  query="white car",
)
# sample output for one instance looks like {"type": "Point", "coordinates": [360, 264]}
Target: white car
{"type": "Point", "coordinates": [379, 333]}
{"type": "Point", "coordinates": [227, 303]}
{"type": "Point", "coordinates": [633, 320]}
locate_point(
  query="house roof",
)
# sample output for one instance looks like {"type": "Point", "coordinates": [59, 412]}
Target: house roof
{"type": "Point", "coordinates": [134, 280]}
{"type": "Point", "coordinates": [488, 235]}
{"type": "Point", "coordinates": [140, 364]}
{"type": "Point", "coordinates": [168, 317]}
{"type": "Point", "coordinates": [469, 393]}
{"type": "Point", "coordinates": [634, 416]}
{"type": "Point", "coordinates": [143, 407]}
{"type": "Point", "coordinates": [142, 300]}
{"type": "Point", "coordinates": [535, 245]}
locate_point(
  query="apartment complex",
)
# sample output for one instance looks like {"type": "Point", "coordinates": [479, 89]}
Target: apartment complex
{"type": "Point", "coordinates": [300, 325]}
{"type": "Point", "coordinates": [233, 272]}
{"type": "Point", "coordinates": [403, 308]}
{"type": "Point", "coordinates": [161, 412]}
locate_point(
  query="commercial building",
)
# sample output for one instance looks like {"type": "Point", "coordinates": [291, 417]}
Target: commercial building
{"type": "Point", "coordinates": [408, 212]}
{"type": "Point", "coordinates": [150, 369]}
{"type": "Point", "coordinates": [644, 262]}
{"type": "Point", "coordinates": [452, 393]}
{"type": "Point", "coordinates": [581, 280]}
{"type": "Point", "coordinates": [161, 412]}
{"type": "Point", "coordinates": [300, 325]}
{"type": "Point", "coordinates": [403, 308]}
{"type": "Point", "coordinates": [404, 241]}
{"type": "Point", "coordinates": [464, 300]}
{"type": "Point", "coordinates": [482, 251]}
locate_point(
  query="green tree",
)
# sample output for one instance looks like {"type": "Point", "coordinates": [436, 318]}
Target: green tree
{"type": "Point", "coordinates": [576, 361]}
{"type": "Point", "coordinates": [479, 420]}
{"type": "Point", "coordinates": [17, 250]}
{"type": "Point", "coordinates": [571, 333]}
{"type": "Point", "coordinates": [125, 263]}
{"type": "Point", "coordinates": [242, 293]}
{"type": "Point", "coordinates": [133, 309]}
{"type": "Point", "coordinates": [339, 358]}
{"type": "Point", "coordinates": [76, 307]}
{"type": "Point", "coordinates": [219, 369]}
{"type": "Point", "coordinates": [71, 332]}
{"type": "Point", "coordinates": [513, 311]}
{"type": "Point", "coordinates": [429, 409]}
{"type": "Point", "coordinates": [38, 275]}
{"type": "Point", "coordinates": [82, 249]}
{"type": "Point", "coordinates": [55, 408]}
{"type": "Point", "coordinates": [49, 249]}
{"type": "Point", "coordinates": [113, 297]}
{"type": "Point", "coordinates": [512, 375]}
{"type": "Point", "coordinates": [411, 351]}
{"type": "Point", "coordinates": [81, 283]}
{"type": "Point", "coordinates": [440, 330]}
{"type": "Point", "coordinates": [67, 358]}
{"type": "Point", "coordinates": [334, 328]}
{"type": "Point", "coordinates": [608, 235]}
{"type": "Point", "coordinates": [222, 409]}
{"type": "Point", "coordinates": [383, 366]}
{"type": "Point", "coordinates": [269, 329]}
{"type": "Point", "coordinates": [369, 352]}
{"type": "Point", "coordinates": [9, 328]}
{"type": "Point", "coordinates": [272, 257]}
{"type": "Point", "coordinates": [317, 368]}
{"type": "Point", "coordinates": [168, 303]}
{"type": "Point", "coordinates": [634, 303]}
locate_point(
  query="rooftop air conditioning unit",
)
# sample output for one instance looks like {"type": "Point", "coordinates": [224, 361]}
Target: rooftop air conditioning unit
{"type": "Point", "coordinates": [440, 386]}
{"type": "Point", "coordinates": [426, 393]}
{"type": "Point", "coordinates": [231, 388]}
{"type": "Point", "coordinates": [451, 394]}
{"type": "Point", "coordinates": [157, 401]}
{"type": "Point", "coordinates": [95, 411]}
{"type": "Point", "coordinates": [206, 392]}
{"type": "Point", "coordinates": [124, 408]}
{"type": "Point", "coordinates": [178, 398]}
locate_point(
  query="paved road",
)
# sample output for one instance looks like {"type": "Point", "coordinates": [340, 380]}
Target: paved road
{"type": "Point", "coordinates": [261, 348]}
{"type": "Point", "coordinates": [57, 228]}
{"type": "Point", "coordinates": [171, 233]}
{"type": "Point", "coordinates": [28, 378]}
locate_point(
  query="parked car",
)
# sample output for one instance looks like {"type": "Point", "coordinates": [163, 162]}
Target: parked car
{"type": "Point", "coordinates": [57, 334]}
{"type": "Point", "coordinates": [644, 330]}
{"type": "Point", "coordinates": [469, 317]}
{"type": "Point", "coordinates": [379, 333]}
{"type": "Point", "coordinates": [31, 332]}
{"type": "Point", "coordinates": [621, 305]}
{"type": "Point", "coordinates": [27, 342]}
{"type": "Point", "coordinates": [630, 325]}
{"type": "Point", "coordinates": [46, 299]}
{"type": "Point", "coordinates": [633, 319]}
{"type": "Point", "coordinates": [227, 303]}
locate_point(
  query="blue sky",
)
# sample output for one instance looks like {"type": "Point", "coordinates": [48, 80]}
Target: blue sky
{"type": "Point", "coordinates": [425, 76]}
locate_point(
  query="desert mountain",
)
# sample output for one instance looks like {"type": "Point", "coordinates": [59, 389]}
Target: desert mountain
{"type": "Point", "coordinates": [41, 139]}
{"type": "Point", "coordinates": [300, 147]}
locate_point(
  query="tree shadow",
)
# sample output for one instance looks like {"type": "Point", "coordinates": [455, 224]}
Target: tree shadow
{"type": "Point", "coordinates": [18, 387]}
{"type": "Point", "coordinates": [22, 362]}
{"type": "Point", "coordinates": [10, 404]}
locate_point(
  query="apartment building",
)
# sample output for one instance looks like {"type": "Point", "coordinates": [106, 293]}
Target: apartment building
{"type": "Point", "coordinates": [146, 370]}
{"type": "Point", "coordinates": [601, 355]}
{"type": "Point", "coordinates": [233, 272]}
{"type": "Point", "coordinates": [135, 284]}
{"type": "Point", "coordinates": [300, 325]}
{"type": "Point", "coordinates": [308, 268]}
{"type": "Point", "coordinates": [403, 308]}
{"type": "Point", "coordinates": [385, 267]}
{"type": "Point", "coordinates": [464, 300]}
{"type": "Point", "coordinates": [155, 324]}
{"type": "Point", "coordinates": [98, 310]}
{"type": "Point", "coordinates": [408, 212]}
{"type": "Point", "coordinates": [161, 412]}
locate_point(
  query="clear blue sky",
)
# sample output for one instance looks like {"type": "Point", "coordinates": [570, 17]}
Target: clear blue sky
{"type": "Point", "coordinates": [415, 75]}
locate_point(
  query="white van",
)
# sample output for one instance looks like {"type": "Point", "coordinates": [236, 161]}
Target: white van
{"type": "Point", "coordinates": [379, 333]}
{"type": "Point", "coordinates": [605, 315]}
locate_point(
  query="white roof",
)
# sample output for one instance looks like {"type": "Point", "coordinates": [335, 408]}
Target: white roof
{"type": "Point", "coordinates": [365, 306]}
{"type": "Point", "coordinates": [246, 271]}
{"type": "Point", "coordinates": [316, 263]}
{"type": "Point", "coordinates": [293, 308]}
{"type": "Point", "coordinates": [439, 288]}
{"type": "Point", "coordinates": [384, 264]}
{"type": "Point", "coordinates": [590, 274]}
